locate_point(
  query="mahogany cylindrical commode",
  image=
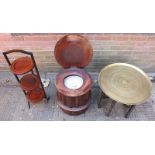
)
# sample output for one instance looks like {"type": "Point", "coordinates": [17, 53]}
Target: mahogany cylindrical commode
{"type": "Point", "coordinates": [73, 101]}
{"type": "Point", "coordinates": [73, 84]}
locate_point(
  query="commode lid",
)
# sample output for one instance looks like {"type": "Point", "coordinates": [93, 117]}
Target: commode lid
{"type": "Point", "coordinates": [73, 51]}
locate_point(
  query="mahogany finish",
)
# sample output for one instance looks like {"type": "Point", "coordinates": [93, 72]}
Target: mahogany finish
{"type": "Point", "coordinates": [59, 82]}
{"type": "Point", "coordinates": [78, 109]}
{"type": "Point", "coordinates": [35, 95]}
{"type": "Point", "coordinates": [76, 101]}
{"type": "Point", "coordinates": [21, 65]}
{"type": "Point", "coordinates": [73, 52]}
{"type": "Point", "coordinates": [29, 82]}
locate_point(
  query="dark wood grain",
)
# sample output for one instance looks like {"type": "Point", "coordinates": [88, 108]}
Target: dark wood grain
{"type": "Point", "coordinates": [73, 102]}
{"type": "Point", "coordinates": [73, 51]}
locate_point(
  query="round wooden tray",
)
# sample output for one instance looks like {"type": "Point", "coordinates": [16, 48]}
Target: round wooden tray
{"type": "Point", "coordinates": [73, 51]}
{"type": "Point", "coordinates": [35, 95]}
{"type": "Point", "coordinates": [125, 83]}
{"type": "Point", "coordinates": [22, 65]}
{"type": "Point", "coordinates": [29, 82]}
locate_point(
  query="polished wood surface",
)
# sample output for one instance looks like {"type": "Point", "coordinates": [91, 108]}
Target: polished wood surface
{"type": "Point", "coordinates": [29, 82]}
{"type": "Point", "coordinates": [73, 51]}
{"type": "Point", "coordinates": [73, 102]}
{"type": "Point", "coordinates": [35, 95]}
{"type": "Point", "coordinates": [59, 82]}
{"type": "Point", "coordinates": [22, 65]}
{"type": "Point", "coordinates": [73, 110]}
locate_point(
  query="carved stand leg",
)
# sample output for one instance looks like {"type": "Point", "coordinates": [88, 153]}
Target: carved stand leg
{"type": "Point", "coordinates": [47, 99]}
{"type": "Point", "coordinates": [129, 111]}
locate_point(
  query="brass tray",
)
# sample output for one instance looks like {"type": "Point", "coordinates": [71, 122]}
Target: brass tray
{"type": "Point", "coordinates": [125, 83]}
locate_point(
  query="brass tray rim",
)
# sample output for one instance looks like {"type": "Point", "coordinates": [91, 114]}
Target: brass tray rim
{"type": "Point", "coordinates": [131, 66]}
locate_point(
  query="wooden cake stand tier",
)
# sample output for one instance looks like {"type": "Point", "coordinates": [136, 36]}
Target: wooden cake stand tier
{"type": "Point", "coordinates": [29, 82]}
{"type": "Point", "coordinates": [35, 95]}
{"type": "Point", "coordinates": [22, 65]}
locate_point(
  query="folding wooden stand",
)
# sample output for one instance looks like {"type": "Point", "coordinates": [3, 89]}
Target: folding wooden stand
{"type": "Point", "coordinates": [103, 96]}
{"type": "Point", "coordinates": [31, 83]}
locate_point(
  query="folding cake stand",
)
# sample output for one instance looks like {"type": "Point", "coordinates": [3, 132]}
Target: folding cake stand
{"type": "Point", "coordinates": [30, 82]}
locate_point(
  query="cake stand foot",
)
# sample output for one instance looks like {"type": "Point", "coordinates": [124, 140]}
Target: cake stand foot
{"type": "Point", "coordinates": [28, 104]}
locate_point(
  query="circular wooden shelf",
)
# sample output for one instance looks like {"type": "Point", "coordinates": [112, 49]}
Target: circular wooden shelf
{"type": "Point", "coordinates": [22, 65]}
{"type": "Point", "coordinates": [35, 95]}
{"type": "Point", "coordinates": [125, 83]}
{"type": "Point", "coordinates": [29, 82]}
